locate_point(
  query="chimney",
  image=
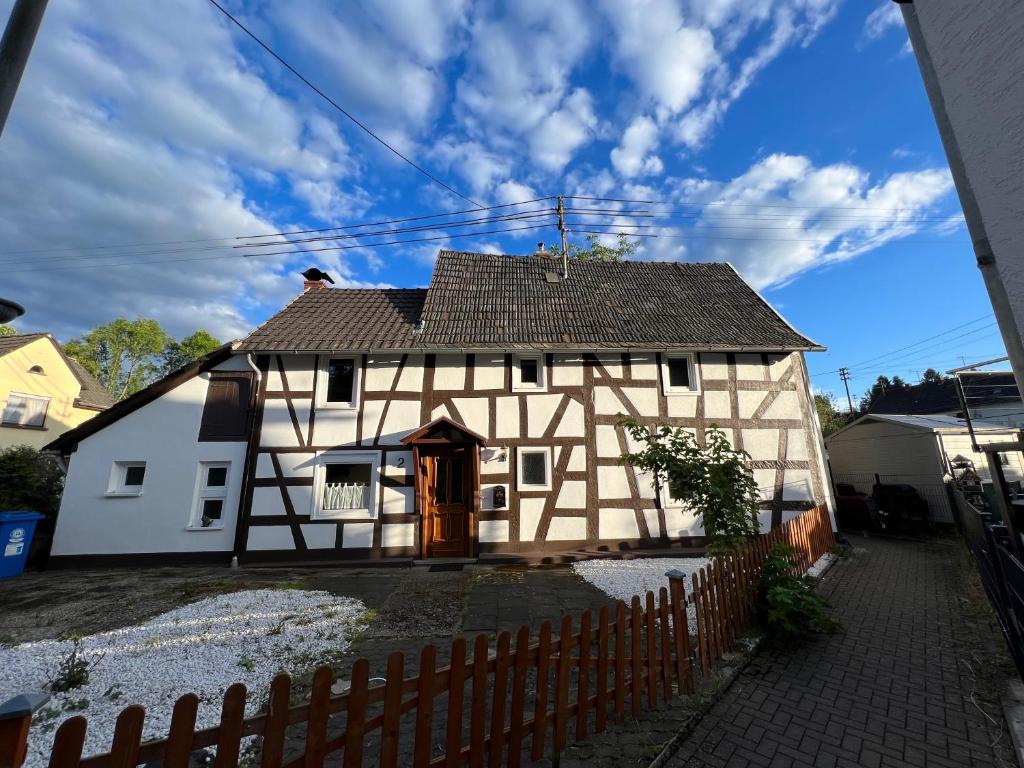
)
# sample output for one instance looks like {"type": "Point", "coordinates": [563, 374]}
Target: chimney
{"type": "Point", "coordinates": [312, 285]}
{"type": "Point", "coordinates": [543, 253]}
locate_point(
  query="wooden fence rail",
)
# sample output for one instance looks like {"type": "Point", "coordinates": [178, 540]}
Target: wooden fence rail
{"type": "Point", "coordinates": [524, 699]}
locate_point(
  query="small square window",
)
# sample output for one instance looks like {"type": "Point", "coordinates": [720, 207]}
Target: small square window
{"type": "Point", "coordinates": [127, 478]}
{"type": "Point", "coordinates": [341, 373]}
{"type": "Point", "coordinates": [679, 374]}
{"type": "Point", "coordinates": [216, 477]}
{"type": "Point", "coordinates": [528, 374]}
{"type": "Point", "coordinates": [534, 469]}
{"type": "Point", "coordinates": [528, 371]}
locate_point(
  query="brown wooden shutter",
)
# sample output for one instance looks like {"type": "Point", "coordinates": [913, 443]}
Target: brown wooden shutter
{"type": "Point", "coordinates": [226, 412]}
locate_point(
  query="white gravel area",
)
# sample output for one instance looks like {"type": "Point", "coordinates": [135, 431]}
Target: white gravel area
{"type": "Point", "coordinates": [203, 647]}
{"type": "Point", "coordinates": [624, 578]}
{"type": "Point", "coordinates": [821, 565]}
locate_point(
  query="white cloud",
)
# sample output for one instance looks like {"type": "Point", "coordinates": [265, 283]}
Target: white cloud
{"type": "Point", "coordinates": [784, 216]}
{"type": "Point", "coordinates": [509, 192]}
{"type": "Point", "coordinates": [883, 18]}
{"type": "Point", "coordinates": [557, 137]}
{"type": "Point", "coordinates": [634, 155]}
{"type": "Point", "coordinates": [116, 137]}
{"type": "Point", "coordinates": [665, 57]}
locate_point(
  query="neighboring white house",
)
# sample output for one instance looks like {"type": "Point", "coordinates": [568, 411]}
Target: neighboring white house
{"type": "Point", "coordinates": [479, 416]}
{"type": "Point", "coordinates": [916, 451]}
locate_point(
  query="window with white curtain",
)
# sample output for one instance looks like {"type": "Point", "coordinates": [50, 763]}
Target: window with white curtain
{"type": "Point", "coordinates": [345, 485]}
{"type": "Point", "coordinates": [25, 410]}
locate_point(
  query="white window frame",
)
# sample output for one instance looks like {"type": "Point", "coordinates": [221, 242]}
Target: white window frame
{"type": "Point", "coordinates": [517, 374]}
{"type": "Point", "coordinates": [324, 458]}
{"type": "Point", "coordinates": [116, 486]}
{"type": "Point", "coordinates": [203, 492]}
{"type": "Point", "coordinates": [691, 358]}
{"type": "Point", "coordinates": [520, 485]}
{"type": "Point", "coordinates": [323, 365]}
{"type": "Point", "coordinates": [26, 396]}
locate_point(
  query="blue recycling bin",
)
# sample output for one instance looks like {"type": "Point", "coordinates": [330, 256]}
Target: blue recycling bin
{"type": "Point", "coordinates": [16, 529]}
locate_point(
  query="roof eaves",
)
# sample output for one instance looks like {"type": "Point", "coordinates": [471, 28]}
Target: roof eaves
{"type": "Point", "coordinates": [814, 346]}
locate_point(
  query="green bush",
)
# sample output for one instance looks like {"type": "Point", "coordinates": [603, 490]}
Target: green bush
{"type": "Point", "coordinates": [29, 480]}
{"type": "Point", "coordinates": [790, 610]}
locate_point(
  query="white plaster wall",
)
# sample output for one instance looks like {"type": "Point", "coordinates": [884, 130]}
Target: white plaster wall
{"type": "Point", "coordinates": [489, 371]}
{"type": "Point", "coordinates": [507, 416]}
{"type": "Point", "coordinates": [450, 372]}
{"type": "Point", "coordinates": [644, 366]}
{"type": "Point", "coordinates": [398, 535]}
{"type": "Point", "coordinates": [530, 510]}
{"type": "Point", "coordinates": [617, 524]}
{"type": "Point", "coordinates": [567, 529]}
{"type": "Point", "coordinates": [492, 530]}
{"type": "Point", "coordinates": [567, 370]}
{"type": "Point", "coordinates": [713, 365]}
{"type": "Point", "coordinates": [403, 417]}
{"type": "Point", "coordinates": [539, 410]}
{"type": "Point", "coordinates": [380, 372]}
{"type": "Point", "coordinates": [573, 423]}
{"type": "Point", "coordinates": [162, 434]}
{"type": "Point", "coordinates": [978, 59]}
{"type": "Point", "coordinates": [475, 412]}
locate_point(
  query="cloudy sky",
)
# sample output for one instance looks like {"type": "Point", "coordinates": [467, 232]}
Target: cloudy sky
{"type": "Point", "coordinates": [792, 138]}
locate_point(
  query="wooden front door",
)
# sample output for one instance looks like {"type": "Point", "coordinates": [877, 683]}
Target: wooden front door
{"type": "Point", "coordinates": [447, 502]}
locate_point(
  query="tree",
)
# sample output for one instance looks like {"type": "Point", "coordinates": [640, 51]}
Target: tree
{"type": "Point", "coordinates": [882, 385]}
{"type": "Point", "coordinates": [714, 480]}
{"type": "Point", "coordinates": [595, 250]}
{"type": "Point", "coordinates": [29, 480]}
{"type": "Point", "coordinates": [122, 354]}
{"type": "Point", "coordinates": [6, 330]}
{"type": "Point", "coordinates": [931, 376]}
{"type": "Point", "coordinates": [829, 417]}
{"type": "Point", "coordinates": [178, 354]}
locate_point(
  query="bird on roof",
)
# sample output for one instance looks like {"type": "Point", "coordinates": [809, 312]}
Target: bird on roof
{"type": "Point", "coordinates": [315, 274]}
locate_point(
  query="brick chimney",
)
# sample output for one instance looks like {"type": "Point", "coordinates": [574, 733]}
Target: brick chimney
{"type": "Point", "coordinates": [312, 285]}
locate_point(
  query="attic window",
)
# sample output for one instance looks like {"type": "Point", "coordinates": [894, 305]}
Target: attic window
{"type": "Point", "coordinates": [37, 369]}
{"type": "Point", "coordinates": [528, 373]}
{"type": "Point", "coordinates": [338, 383]}
{"type": "Point", "coordinates": [679, 375]}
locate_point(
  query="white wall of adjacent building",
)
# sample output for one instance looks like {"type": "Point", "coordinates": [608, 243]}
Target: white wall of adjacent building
{"type": "Point", "coordinates": [163, 434]}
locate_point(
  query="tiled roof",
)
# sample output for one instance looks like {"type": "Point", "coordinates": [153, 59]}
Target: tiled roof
{"type": "Point", "coordinates": [492, 301]}
{"type": "Point", "coordinates": [11, 343]}
{"type": "Point", "coordinates": [342, 318]}
{"type": "Point", "coordinates": [92, 394]}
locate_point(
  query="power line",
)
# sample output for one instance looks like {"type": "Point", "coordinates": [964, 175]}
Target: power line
{"type": "Point", "coordinates": [737, 202]}
{"type": "Point", "coordinates": [338, 107]}
{"type": "Point", "coordinates": [449, 236]}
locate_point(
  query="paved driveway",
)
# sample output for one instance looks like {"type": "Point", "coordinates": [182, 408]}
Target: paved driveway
{"type": "Point", "coordinates": [909, 682]}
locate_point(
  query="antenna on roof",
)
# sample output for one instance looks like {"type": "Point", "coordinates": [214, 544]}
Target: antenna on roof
{"type": "Point", "coordinates": [560, 210]}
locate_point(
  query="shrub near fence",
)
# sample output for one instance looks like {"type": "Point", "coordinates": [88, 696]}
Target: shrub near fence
{"type": "Point", "coordinates": [527, 700]}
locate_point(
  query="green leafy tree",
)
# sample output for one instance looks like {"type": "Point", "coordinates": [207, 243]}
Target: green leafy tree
{"type": "Point", "coordinates": [123, 354]}
{"type": "Point", "coordinates": [178, 354]}
{"type": "Point", "coordinates": [29, 480]}
{"type": "Point", "coordinates": [6, 330]}
{"type": "Point", "coordinates": [594, 250]}
{"type": "Point", "coordinates": [931, 376]}
{"type": "Point", "coordinates": [829, 417]}
{"type": "Point", "coordinates": [713, 480]}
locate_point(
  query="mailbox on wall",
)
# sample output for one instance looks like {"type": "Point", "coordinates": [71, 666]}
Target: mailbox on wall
{"type": "Point", "coordinates": [498, 497]}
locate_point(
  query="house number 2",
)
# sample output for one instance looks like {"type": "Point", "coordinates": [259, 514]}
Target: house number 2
{"type": "Point", "coordinates": [400, 462]}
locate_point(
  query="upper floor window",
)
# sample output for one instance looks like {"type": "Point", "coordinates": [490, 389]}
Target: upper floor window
{"type": "Point", "coordinates": [25, 410]}
{"type": "Point", "coordinates": [679, 374]}
{"type": "Point", "coordinates": [338, 383]}
{"type": "Point", "coordinates": [528, 373]}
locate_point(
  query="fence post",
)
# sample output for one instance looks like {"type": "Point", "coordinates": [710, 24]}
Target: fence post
{"type": "Point", "coordinates": [15, 719]}
{"type": "Point", "coordinates": [681, 630]}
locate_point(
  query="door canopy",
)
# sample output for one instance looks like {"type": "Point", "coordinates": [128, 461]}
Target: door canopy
{"type": "Point", "coordinates": [443, 431]}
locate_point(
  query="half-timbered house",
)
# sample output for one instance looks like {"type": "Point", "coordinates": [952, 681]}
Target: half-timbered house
{"type": "Point", "coordinates": [475, 417]}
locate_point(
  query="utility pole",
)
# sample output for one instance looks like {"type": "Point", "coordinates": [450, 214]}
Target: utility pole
{"type": "Point", "coordinates": [15, 48]}
{"type": "Point", "coordinates": [560, 210]}
{"type": "Point", "coordinates": [844, 374]}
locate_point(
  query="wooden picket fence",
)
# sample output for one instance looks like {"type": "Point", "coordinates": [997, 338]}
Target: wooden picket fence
{"type": "Point", "coordinates": [724, 593]}
{"type": "Point", "coordinates": [525, 701]}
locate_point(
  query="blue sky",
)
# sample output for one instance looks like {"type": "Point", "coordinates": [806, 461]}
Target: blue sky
{"type": "Point", "coordinates": [790, 137]}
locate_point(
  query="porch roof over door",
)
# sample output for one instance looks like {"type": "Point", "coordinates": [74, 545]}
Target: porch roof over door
{"type": "Point", "coordinates": [443, 430]}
